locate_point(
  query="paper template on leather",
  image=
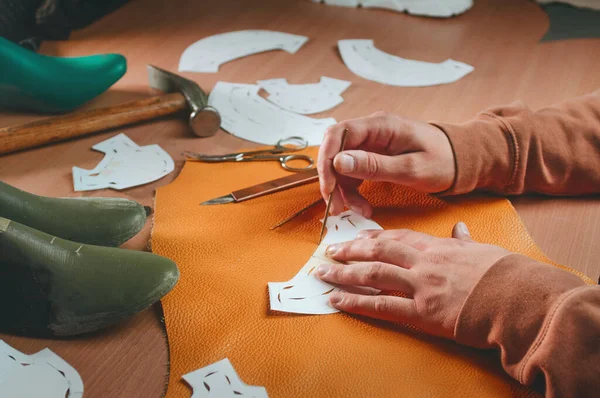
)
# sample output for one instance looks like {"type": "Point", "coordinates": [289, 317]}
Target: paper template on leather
{"type": "Point", "coordinates": [124, 165]}
{"type": "Point", "coordinates": [221, 306]}
{"type": "Point", "coordinates": [368, 62]}
{"type": "Point", "coordinates": [43, 375]}
{"type": "Point", "coordinates": [429, 8]}
{"type": "Point", "coordinates": [208, 54]}
{"type": "Point", "coordinates": [305, 293]}
{"type": "Point", "coordinates": [305, 99]}
{"type": "Point", "coordinates": [220, 380]}
{"type": "Point", "coordinates": [247, 115]}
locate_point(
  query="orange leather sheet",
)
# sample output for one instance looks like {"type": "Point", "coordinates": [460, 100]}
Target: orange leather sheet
{"type": "Point", "coordinates": [227, 254]}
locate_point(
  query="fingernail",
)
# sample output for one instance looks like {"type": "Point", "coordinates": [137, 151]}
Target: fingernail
{"type": "Point", "coordinates": [362, 235]}
{"type": "Point", "coordinates": [323, 269]}
{"type": "Point", "coordinates": [462, 227]}
{"type": "Point", "coordinates": [332, 249]}
{"type": "Point", "coordinates": [357, 210]}
{"type": "Point", "coordinates": [346, 163]}
{"type": "Point", "coordinates": [336, 298]}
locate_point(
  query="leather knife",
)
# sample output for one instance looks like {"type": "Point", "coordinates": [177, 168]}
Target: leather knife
{"type": "Point", "coordinates": [265, 188]}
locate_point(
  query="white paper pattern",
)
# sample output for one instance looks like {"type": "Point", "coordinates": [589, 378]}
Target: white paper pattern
{"type": "Point", "coordinates": [305, 293]}
{"type": "Point", "coordinates": [247, 115]}
{"type": "Point", "coordinates": [125, 165]}
{"type": "Point", "coordinates": [305, 99]}
{"type": "Point", "coordinates": [41, 375]}
{"type": "Point", "coordinates": [208, 54]}
{"type": "Point", "coordinates": [368, 62]}
{"type": "Point", "coordinates": [430, 8]}
{"type": "Point", "coordinates": [220, 380]}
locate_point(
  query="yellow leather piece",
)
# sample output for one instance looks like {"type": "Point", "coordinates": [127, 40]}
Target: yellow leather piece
{"type": "Point", "coordinates": [227, 254]}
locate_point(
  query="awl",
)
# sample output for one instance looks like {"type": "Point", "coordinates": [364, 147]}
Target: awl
{"type": "Point", "coordinates": [265, 188]}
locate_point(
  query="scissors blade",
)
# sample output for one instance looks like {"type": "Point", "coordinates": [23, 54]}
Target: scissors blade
{"type": "Point", "coordinates": [219, 201]}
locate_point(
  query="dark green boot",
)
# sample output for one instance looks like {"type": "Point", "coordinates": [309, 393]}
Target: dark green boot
{"type": "Point", "coordinates": [54, 287]}
{"type": "Point", "coordinates": [95, 221]}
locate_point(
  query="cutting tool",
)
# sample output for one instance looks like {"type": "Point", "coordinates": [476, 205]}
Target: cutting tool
{"type": "Point", "coordinates": [275, 153]}
{"type": "Point", "coordinates": [332, 192]}
{"type": "Point", "coordinates": [280, 184]}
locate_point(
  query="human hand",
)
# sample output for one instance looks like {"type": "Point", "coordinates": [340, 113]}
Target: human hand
{"type": "Point", "coordinates": [436, 274]}
{"type": "Point", "coordinates": [383, 147]}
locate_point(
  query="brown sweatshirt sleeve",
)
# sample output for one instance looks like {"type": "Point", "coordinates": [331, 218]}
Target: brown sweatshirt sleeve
{"type": "Point", "coordinates": [545, 322]}
{"type": "Point", "coordinates": [512, 150]}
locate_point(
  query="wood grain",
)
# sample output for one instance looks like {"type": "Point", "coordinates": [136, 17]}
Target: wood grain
{"type": "Point", "coordinates": [74, 125]}
{"type": "Point", "coordinates": [498, 37]}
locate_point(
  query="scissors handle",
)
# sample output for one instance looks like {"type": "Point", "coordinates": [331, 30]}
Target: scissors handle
{"type": "Point", "coordinates": [284, 160]}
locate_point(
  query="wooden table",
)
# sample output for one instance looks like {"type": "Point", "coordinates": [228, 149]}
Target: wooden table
{"type": "Point", "coordinates": [499, 37]}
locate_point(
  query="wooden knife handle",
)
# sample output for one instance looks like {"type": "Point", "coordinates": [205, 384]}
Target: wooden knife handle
{"type": "Point", "coordinates": [77, 124]}
{"type": "Point", "coordinates": [280, 184]}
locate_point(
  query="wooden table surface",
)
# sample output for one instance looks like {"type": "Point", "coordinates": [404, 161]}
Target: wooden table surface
{"type": "Point", "coordinates": [498, 37]}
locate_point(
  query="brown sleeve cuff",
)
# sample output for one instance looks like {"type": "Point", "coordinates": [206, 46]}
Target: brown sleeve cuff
{"type": "Point", "coordinates": [509, 306]}
{"type": "Point", "coordinates": [483, 152]}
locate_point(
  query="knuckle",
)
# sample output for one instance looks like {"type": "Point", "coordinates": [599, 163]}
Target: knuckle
{"type": "Point", "coordinates": [380, 114]}
{"type": "Point", "coordinates": [382, 305]}
{"type": "Point", "coordinates": [372, 166]}
{"type": "Point", "coordinates": [372, 273]}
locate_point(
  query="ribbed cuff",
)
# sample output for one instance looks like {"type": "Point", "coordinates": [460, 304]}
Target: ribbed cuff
{"type": "Point", "coordinates": [484, 154]}
{"type": "Point", "coordinates": [509, 305]}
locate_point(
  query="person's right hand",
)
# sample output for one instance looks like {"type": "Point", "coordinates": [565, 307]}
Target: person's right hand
{"type": "Point", "coordinates": [383, 147]}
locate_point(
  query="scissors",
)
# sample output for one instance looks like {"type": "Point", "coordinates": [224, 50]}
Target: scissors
{"type": "Point", "coordinates": [277, 152]}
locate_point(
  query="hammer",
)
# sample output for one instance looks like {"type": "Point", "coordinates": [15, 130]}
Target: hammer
{"type": "Point", "coordinates": [184, 95]}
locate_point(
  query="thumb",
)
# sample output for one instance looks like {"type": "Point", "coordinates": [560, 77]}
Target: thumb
{"type": "Point", "coordinates": [372, 166]}
{"type": "Point", "coordinates": [461, 232]}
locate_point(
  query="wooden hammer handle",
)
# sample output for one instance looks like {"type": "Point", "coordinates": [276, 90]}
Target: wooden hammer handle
{"type": "Point", "coordinates": [77, 124]}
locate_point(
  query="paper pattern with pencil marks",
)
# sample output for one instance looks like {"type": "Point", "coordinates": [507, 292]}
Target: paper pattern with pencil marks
{"type": "Point", "coordinates": [208, 54]}
{"type": "Point", "coordinates": [220, 380]}
{"type": "Point", "coordinates": [305, 293]}
{"type": "Point", "coordinates": [41, 375]}
{"type": "Point", "coordinates": [368, 62]}
{"type": "Point", "coordinates": [247, 115]}
{"type": "Point", "coordinates": [305, 99]}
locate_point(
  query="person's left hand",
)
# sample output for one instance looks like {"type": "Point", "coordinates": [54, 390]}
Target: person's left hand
{"type": "Point", "coordinates": [436, 274]}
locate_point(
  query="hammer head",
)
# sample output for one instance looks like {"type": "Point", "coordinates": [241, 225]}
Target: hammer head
{"type": "Point", "coordinates": [204, 119]}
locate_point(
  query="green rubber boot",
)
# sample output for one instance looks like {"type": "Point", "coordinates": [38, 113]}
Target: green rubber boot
{"type": "Point", "coordinates": [44, 84]}
{"type": "Point", "coordinates": [54, 287]}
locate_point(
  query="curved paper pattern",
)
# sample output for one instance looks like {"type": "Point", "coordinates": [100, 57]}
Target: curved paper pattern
{"type": "Point", "coordinates": [429, 8]}
{"type": "Point", "coordinates": [305, 99]}
{"type": "Point", "coordinates": [43, 375]}
{"type": "Point", "coordinates": [368, 62]}
{"type": "Point", "coordinates": [305, 293]}
{"type": "Point", "coordinates": [124, 165]}
{"type": "Point", "coordinates": [220, 307]}
{"type": "Point", "coordinates": [247, 115]}
{"type": "Point", "coordinates": [208, 54]}
{"type": "Point", "coordinates": [219, 380]}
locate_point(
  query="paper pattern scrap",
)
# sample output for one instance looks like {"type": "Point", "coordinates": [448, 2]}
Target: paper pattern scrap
{"type": "Point", "coordinates": [305, 99]}
{"type": "Point", "coordinates": [41, 375]}
{"type": "Point", "coordinates": [247, 115]}
{"type": "Point", "coordinates": [429, 8]}
{"type": "Point", "coordinates": [368, 62]}
{"type": "Point", "coordinates": [124, 165]}
{"type": "Point", "coordinates": [208, 54]}
{"type": "Point", "coordinates": [220, 380]}
{"type": "Point", "coordinates": [305, 293]}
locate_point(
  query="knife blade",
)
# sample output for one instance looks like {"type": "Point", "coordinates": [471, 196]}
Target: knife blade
{"type": "Point", "coordinates": [265, 188]}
